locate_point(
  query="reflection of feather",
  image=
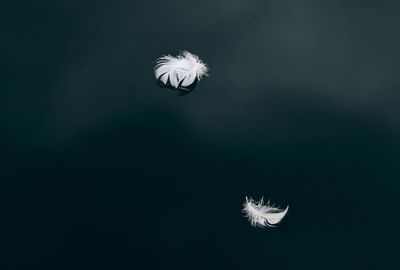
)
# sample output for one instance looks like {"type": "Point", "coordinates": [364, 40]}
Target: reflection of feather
{"type": "Point", "coordinates": [180, 71]}
{"type": "Point", "coordinates": [261, 215]}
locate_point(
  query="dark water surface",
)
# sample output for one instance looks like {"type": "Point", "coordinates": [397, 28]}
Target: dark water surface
{"type": "Point", "coordinates": [101, 168]}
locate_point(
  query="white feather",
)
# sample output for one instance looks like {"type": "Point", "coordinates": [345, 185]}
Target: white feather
{"type": "Point", "coordinates": [180, 71]}
{"type": "Point", "coordinates": [261, 215]}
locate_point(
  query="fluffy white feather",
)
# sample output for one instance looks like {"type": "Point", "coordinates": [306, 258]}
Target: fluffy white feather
{"type": "Point", "coordinates": [261, 215]}
{"type": "Point", "coordinates": [180, 71]}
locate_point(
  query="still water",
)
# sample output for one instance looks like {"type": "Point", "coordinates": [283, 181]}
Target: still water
{"type": "Point", "coordinates": [101, 168]}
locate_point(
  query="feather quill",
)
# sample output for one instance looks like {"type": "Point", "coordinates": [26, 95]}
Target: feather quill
{"type": "Point", "coordinates": [180, 71]}
{"type": "Point", "coordinates": [262, 215]}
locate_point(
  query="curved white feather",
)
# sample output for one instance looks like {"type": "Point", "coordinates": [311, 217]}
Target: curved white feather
{"type": "Point", "coordinates": [261, 215]}
{"type": "Point", "coordinates": [180, 71]}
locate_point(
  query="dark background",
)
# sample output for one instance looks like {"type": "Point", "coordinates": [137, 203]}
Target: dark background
{"type": "Point", "coordinates": [103, 169]}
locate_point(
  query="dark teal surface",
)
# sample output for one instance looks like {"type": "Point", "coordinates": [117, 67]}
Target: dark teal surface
{"type": "Point", "coordinates": [101, 168]}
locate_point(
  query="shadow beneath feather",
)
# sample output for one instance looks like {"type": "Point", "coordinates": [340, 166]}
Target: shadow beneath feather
{"type": "Point", "coordinates": [181, 91]}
